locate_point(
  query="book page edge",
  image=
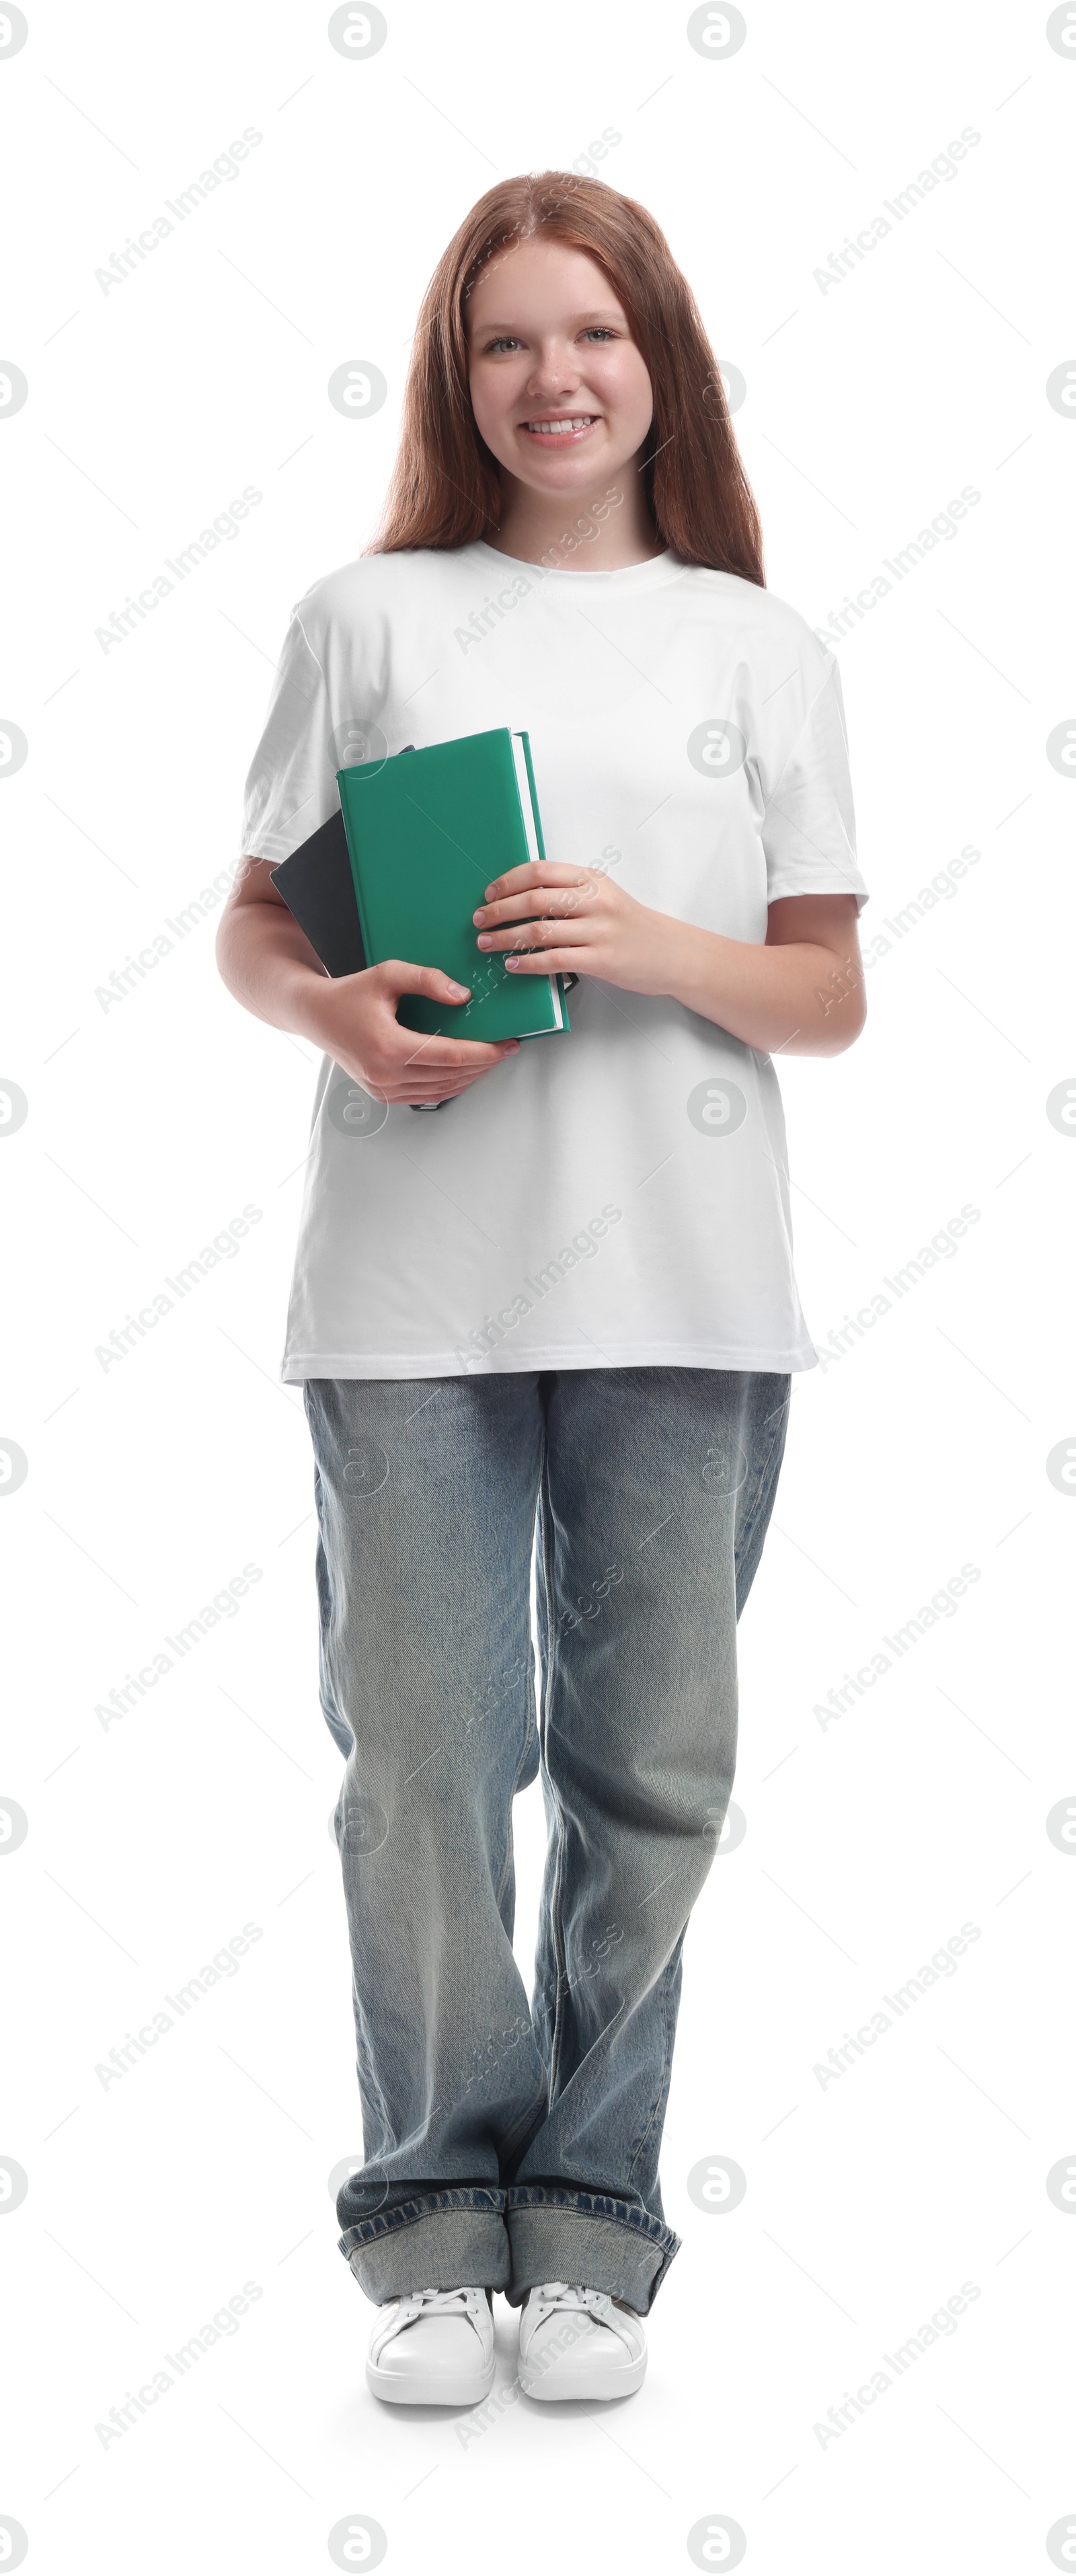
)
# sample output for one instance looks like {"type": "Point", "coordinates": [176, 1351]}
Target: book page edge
{"type": "Point", "coordinates": [524, 786]}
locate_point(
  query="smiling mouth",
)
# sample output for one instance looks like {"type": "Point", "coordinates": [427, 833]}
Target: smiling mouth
{"type": "Point", "coordinates": [568, 425]}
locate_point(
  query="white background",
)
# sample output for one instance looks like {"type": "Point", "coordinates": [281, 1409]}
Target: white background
{"type": "Point", "coordinates": [869, 1841]}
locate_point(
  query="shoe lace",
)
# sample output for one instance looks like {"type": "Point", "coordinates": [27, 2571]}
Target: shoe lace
{"type": "Point", "coordinates": [576, 2297]}
{"type": "Point", "coordinates": [439, 2302]}
{"type": "Point", "coordinates": [574, 2294]}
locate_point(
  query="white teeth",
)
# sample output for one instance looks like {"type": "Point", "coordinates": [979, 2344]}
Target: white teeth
{"type": "Point", "coordinates": [560, 428]}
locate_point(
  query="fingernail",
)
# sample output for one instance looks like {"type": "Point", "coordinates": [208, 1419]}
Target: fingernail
{"type": "Point", "coordinates": [458, 988]}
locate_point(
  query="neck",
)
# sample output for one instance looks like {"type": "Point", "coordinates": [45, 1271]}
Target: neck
{"type": "Point", "coordinates": [567, 534]}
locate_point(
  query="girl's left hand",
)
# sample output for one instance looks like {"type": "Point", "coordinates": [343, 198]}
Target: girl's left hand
{"type": "Point", "coordinates": [574, 921]}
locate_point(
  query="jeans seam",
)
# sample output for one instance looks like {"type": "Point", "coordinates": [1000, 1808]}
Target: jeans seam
{"type": "Point", "coordinates": [530, 2121]}
{"type": "Point", "coordinates": [529, 1733]}
{"type": "Point", "coordinates": [744, 1535]}
{"type": "Point", "coordinates": [662, 2095]}
{"type": "Point", "coordinates": [555, 1923]}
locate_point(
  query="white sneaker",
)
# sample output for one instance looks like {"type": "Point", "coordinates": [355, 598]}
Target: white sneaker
{"type": "Point", "coordinates": [433, 2348]}
{"type": "Point", "coordinates": [575, 2342]}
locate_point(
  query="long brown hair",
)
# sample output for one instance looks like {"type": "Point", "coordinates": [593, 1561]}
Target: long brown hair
{"type": "Point", "coordinates": [445, 490]}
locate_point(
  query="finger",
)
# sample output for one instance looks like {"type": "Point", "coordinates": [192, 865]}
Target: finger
{"type": "Point", "coordinates": [533, 872]}
{"type": "Point", "coordinates": [536, 934]}
{"type": "Point", "coordinates": [396, 975]}
{"type": "Point", "coordinates": [444, 1088]}
{"type": "Point", "coordinates": [551, 961]}
{"type": "Point", "coordinates": [465, 1054]}
{"type": "Point", "coordinates": [447, 1086]}
{"type": "Point", "coordinates": [565, 897]}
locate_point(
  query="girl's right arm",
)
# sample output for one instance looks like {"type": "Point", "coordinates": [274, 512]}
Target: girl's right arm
{"type": "Point", "coordinates": [268, 963]}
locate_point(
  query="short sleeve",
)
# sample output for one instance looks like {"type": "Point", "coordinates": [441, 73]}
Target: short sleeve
{"type": "Point", "coordinates": [808, 829]}
{"type": "Point", "coordinates": [291, 783]}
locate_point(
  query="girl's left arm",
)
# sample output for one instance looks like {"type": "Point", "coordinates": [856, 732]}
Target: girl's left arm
{"type": "Point", "coordinates": [800, 992]}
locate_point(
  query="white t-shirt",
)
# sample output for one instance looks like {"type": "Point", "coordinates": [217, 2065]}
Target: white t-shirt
{"type": "Point", "coordinates": [618, 1196]}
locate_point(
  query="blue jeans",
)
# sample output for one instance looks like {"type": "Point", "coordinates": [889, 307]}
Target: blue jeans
{"type": "Point", "coordinates": [508, 2142]}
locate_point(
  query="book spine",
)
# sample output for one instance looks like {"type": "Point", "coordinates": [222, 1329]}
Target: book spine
{"type": "Point", "coordinates": [525, 740]}
{"type": "Point", "coordinates": [556, 981]}
{"type": "Point", "coordinates": [356, 879]}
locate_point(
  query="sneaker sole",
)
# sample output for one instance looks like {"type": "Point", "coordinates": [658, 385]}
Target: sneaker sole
{"type": "Point", "coordinates": [563, 2382]}
{"type": "Point", "coordinates": [431, 2388]}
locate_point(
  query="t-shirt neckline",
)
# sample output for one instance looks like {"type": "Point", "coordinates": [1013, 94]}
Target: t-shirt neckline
{"type": "Point", "coordinates": [653, 573]}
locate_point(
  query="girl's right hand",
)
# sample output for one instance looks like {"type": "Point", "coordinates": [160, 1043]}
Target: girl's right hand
{"type": "Point", "coordinates": [354, 1018]}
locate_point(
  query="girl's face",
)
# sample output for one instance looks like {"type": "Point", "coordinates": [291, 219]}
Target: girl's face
{"type": "Point", "coordinates": [560, 392]}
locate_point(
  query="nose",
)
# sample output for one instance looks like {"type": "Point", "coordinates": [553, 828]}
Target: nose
{"type": "Point", "coordinates": [556, 372]}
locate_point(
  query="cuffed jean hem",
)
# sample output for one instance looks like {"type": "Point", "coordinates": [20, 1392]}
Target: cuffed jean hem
{"type": "Point", "coordinates": [589, 2237]}
{"type": "Point", "coordinates": [443, 2240]}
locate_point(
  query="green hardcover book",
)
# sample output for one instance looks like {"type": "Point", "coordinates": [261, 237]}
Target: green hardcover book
{"type": "Point", "coordinates": [427, 832]}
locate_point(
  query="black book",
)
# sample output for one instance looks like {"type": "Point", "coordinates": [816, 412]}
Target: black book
{"type": "Point", "coordinates": [318, 888]}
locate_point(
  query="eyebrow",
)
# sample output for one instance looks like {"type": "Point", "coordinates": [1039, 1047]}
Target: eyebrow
{"type": "Point", "coordinates": [580, 321]}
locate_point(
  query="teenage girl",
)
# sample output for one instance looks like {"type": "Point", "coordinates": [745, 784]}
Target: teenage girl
{"type": "Point", "coordinates": [556, 1328]}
